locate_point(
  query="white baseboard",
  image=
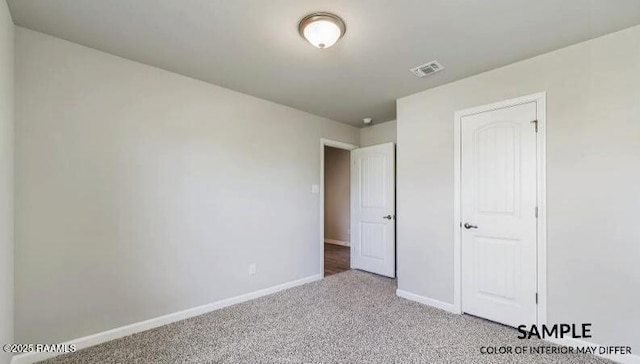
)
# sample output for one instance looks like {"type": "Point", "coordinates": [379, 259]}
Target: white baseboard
{"type": "Point", "coordinates": [449, 307]}
{"type": "Point", "coordinates": [336, 242]}
{"type": "Point", "coordinates": [102, 337]}
{"type": "Point", "coordinates": [625, 359]}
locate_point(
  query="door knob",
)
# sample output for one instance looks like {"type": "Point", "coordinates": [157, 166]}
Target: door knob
{"type": "Point", "coordinates": [469, 226]}
{"type": "Point", "coordinates": [388, 217]}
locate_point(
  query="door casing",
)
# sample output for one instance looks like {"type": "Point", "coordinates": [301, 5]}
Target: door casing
{"type": "Point", "coordinates": [541, 281]}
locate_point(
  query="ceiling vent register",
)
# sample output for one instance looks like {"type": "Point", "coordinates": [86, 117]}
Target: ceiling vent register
{"type": "Point", "coordinates": [427, 69]}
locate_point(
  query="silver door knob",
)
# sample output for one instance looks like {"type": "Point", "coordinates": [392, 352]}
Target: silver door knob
{"type": "Point", "coordinates": [388, 217]}
{"type": "Point", "coordinates": [469, 226]}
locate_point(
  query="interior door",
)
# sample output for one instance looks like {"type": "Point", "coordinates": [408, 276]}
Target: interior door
{"type": "Point", "coordinates": [373, 223]}
{"type": "Point", "coordinates": [499, 215]}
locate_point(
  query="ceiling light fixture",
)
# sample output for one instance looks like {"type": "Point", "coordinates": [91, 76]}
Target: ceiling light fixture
{"type": "Point", "coordinates": [322, 30]}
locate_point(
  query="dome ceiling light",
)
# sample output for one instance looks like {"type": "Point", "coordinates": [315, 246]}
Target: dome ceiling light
{"type": "Point", "coordinates": [322, 30]}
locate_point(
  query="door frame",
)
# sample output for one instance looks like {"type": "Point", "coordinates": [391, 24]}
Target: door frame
{"type": "Point", "coordinates": [334, 144]}
{"type": "Point", "coordinates": [541, 259]}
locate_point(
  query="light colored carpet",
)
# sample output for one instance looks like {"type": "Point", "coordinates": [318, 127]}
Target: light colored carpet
{"type": "Point", "coordinates": [351, 317]}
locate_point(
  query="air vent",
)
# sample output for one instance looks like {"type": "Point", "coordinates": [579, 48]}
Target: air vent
{"type": "Point", "coordinates": [427, 69]}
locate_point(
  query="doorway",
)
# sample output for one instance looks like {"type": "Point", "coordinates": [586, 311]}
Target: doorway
{"type": "Point", "coordinates": [371, 210]}
{"type": "Point", "coordinates": [337, 214]}
{"type": "Point", "coordinates": [500, 230]}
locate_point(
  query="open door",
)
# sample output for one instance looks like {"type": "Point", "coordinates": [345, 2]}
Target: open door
{"type": "Point", "coordinates": [373, 219]}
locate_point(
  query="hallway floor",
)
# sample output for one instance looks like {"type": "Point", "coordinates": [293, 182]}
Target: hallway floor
{"type": "Point", "coordinates": [336, 259]}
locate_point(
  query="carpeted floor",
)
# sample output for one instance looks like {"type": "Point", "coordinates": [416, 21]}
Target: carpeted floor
{"type": "Point", "coordinates": [350, 317]}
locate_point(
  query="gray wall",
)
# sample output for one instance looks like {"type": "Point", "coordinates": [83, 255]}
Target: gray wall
{"type": "Point", "coordinates": [378, 133]}
{"type": "Point", "coordinates": [141, 192]}
{"type": "Point", "coordinates": [593, 181]}
{"type": "Point", "coordinates": [6, 178]}
{"type": "Point", "coordinates": [337, 186]}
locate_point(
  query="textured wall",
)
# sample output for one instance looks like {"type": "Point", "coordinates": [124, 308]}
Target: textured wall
{"type": "Point", "coordinates": [141, 192]}
{"type": "Point", "coordinates": [593, 180]}
{"type": "Point", "coordinates": [6, 177]}
{"type": "Point", "coordinates": [378, 133]}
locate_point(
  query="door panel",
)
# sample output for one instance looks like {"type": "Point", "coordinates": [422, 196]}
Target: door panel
{"type": "Point", "coordinates": [499, 208]}
{"type": "Point", "coordinates": [373, 198]}
{"type": "Point", "coordinates": [373, 175]}
{"type": "Point", "coordinates": [497, 160]}
{"type": "Point", "coordinates": [494, 258]}
{"type": "Point", "coordinates": [374, 235]}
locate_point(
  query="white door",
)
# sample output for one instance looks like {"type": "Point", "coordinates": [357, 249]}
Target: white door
{"type": "Point", "coordinates": [499, 238]}
{"type": "Point", "coordinates": [373, 223]}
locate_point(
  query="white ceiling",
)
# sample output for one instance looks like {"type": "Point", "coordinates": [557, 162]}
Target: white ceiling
{"type": "Point", "coordinates": [253, 46]}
